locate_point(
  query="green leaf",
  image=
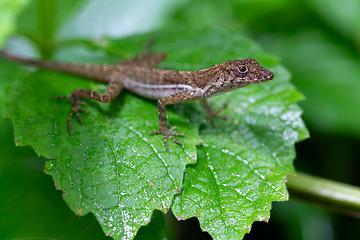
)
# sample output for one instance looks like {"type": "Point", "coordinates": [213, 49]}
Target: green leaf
{"type": "Point", "coordinates": [8, 13]}
{"type": "Point", "coordinates": [242, 165]}
{"type": "Point", "coordinates": [344, 17]}
{"type": "Point", "coordinates": [112, 167]}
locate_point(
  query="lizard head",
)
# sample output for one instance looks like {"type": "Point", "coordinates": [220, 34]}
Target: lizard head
{"type": "Point", "coordinates": [231, 75]}
{"type": "Point", "coordinates": [236, 74]}
{"type": "Point", "coordinates": [245, 72]}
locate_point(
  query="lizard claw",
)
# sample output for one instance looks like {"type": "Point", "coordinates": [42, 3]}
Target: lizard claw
{"type": "Point", "coordinates": [75, 109]}
{"type": "Point", "coordinates": [214, 113]}
{"type": "Point", "coordinates": [168, 133]}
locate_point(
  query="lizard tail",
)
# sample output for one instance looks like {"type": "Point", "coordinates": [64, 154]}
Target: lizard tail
{"type": "Point", "coordinates": [93, 71]}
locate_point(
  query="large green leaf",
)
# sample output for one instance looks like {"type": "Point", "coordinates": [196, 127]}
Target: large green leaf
{"type": "Point", "coordinates": [112, 167]}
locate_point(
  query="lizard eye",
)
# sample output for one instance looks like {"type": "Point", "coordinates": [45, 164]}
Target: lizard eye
{"type": "Point", "coordinates": [243, 69]}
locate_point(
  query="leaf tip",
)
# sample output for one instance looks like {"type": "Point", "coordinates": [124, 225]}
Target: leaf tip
{"type": "Point", "coordinates": [64, 193]}
{"type": "Point", "coordinates": [7, 115]}
{"type": "Point", "coordinates": [264, 219]}
{"type": "Point", "coordinates": [17, 141]}
{"type": "Point", "coordinates": [165, 209]}
{"type": "Point", "coordinates": [58, 188]}
{"type": "Point", "coordinates": [79, 212]}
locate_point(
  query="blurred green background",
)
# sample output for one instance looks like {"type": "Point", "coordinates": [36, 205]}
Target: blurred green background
{"type": "Point", "coordinates": [317, 40]}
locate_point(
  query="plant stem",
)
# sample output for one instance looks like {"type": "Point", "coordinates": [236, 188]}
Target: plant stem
{"type": "Point", "coordinates": [45, 21]}
{"type": "Point", "coordinates": [337, 196]}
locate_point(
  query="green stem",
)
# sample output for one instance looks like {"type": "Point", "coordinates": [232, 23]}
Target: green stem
{"type": "Point", "coordinates": [45, 21]}
{"type": "Point", "coordinates": [337, 196]}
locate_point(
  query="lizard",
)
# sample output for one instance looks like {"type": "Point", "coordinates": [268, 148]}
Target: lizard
{"type": "Point", "coordinates": [139, 75]}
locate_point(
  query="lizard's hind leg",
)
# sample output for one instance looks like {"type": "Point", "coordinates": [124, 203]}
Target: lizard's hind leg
{"type": "Point", "coordinates": [113, 90]}
{"type": "Point", "coordinates": [145, 60]}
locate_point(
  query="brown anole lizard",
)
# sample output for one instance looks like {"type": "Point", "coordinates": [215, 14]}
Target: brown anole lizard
{"type": "Point", "coordinates": [139, 76]}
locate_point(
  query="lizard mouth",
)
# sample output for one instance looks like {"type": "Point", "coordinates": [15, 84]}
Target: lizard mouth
{"type": "Point", "coordinates": [265, 76]}
{"type": "Point", "coordinates": [260, 80]}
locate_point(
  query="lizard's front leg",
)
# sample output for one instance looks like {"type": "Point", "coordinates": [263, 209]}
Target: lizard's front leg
{"type": "Point", "coordinates": [162, 102]}
{"type": "Point", "coordinates": [164, 130]}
